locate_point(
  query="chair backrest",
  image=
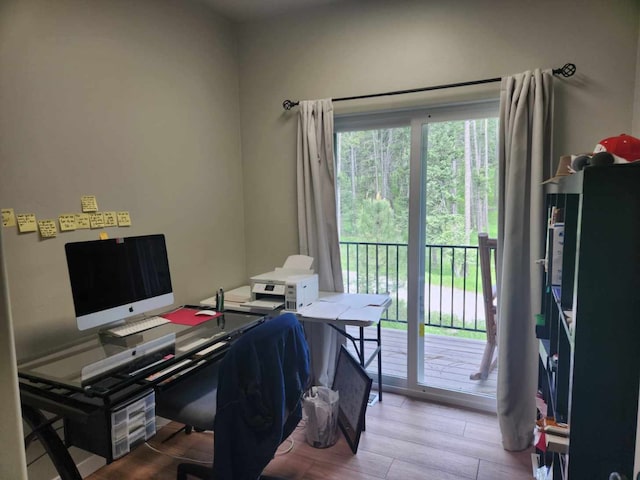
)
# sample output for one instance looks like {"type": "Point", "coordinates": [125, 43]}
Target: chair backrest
{"type": "Point", "coordinates": [486, 250]}
{"type": "Point", "coordinates": [260, 386]}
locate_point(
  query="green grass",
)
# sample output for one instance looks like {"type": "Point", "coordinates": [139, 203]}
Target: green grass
{"type": "Point", "coordinates": [435, 330]}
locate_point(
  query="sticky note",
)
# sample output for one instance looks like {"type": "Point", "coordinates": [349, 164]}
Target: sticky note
{"type": "Point", "coordinates": [27, 222]}
{"type": "Point", "coordinates": [8, 217]}
{"type": "Point", "coordinates": [96, 220]}
{"type": "Point", "coordinates": [104, 236]}
{"type": "Point", "coordinates": [47, 228]}
{"type": "Point", "coordinates": [421, 330]}
{"type": "Point", "coordinates": [82, 221]}
{"type": "Point", "coordinates": [124, 220]}
{"type": "Point", "coordinates": [67, 222]}
{"type": "Point", "coordinates": [89, 203]}
{"type": "Point", "coordinates": [110, 219]}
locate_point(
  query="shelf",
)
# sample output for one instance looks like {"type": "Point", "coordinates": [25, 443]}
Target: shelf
{"type": "Point", "coordinates": [557, 295]}
{"type": "Point", "coordinates": [597, 364]}
{"type": "Point", "coordinates": [544, 347]}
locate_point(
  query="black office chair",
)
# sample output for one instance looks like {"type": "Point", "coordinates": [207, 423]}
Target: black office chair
{"type": "Point", "coordinates": [251, 399]}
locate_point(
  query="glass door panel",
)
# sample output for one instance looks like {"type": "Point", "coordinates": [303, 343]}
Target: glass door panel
{"type": "Point", "coordinates": [373, 199]}
{"type": "Point", "coordinates": [459, 158]}
{"type": "Point", "coordinates": [413, 190]}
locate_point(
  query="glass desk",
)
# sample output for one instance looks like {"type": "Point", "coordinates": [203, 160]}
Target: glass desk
{"type": "Point", "coordinates": [90, 382]}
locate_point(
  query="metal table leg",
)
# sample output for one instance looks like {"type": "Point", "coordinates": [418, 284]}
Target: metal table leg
{"type": "Point", "coordinates": [51, 442]}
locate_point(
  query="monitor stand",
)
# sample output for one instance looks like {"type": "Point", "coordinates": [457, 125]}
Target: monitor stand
{"type": "Point", "coordinates": [107, 340]}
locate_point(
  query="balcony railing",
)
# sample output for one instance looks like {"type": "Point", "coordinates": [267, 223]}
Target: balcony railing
{"type": "Point", "coordinates": [453, 289]}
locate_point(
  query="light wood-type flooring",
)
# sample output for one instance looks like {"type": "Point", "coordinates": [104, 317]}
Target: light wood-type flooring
{"type": "Point", "coordinates": [405, 439]}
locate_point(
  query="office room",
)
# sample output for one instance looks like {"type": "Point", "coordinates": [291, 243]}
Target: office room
{"type": "Point", "coordinates": [172, 111]}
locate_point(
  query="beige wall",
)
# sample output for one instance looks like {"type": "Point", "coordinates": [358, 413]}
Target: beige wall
{"type": "Point", "coordinates": [369, 47]}
{"type": "Point", "coordinates": [136, 103]}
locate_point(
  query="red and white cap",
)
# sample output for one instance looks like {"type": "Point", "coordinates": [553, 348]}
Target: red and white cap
{"type": "Point", "coordinates": [624, 148]}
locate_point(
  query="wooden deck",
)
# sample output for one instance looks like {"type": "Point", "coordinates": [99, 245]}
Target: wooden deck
{"type": "Point", "coordinates": [448, 360]}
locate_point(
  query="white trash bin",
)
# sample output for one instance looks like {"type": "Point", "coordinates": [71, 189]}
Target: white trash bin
{"type": "Point", "coordinates": [320, 406]}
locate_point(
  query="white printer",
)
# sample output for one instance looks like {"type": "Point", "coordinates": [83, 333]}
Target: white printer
{"type": "Point", "coordinates": [294, 285]}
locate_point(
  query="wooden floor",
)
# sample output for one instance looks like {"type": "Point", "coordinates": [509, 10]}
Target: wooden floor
{"type": "Point", "coordinates": [448, 360]}
{"type": "Point", "coordinates": [406, 439]}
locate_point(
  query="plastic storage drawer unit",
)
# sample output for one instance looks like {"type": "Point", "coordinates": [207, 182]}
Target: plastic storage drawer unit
{"type": "Point", "coordinates": [132, 424]}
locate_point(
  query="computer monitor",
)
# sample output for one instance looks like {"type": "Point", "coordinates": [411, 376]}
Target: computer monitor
{"type": "Point", "coordinates": [118, 278]}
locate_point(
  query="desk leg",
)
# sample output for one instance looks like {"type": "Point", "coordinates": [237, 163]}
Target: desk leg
{"type": "Point", "coordinates": [52, 443]}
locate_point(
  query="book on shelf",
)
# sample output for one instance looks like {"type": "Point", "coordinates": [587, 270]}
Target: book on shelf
{"type": "Point", "coordinates": [556, 216]}
{"type": "Point", "coordinates": [556, 245]}
{"type": "Point", "coordinates": [556, 443]}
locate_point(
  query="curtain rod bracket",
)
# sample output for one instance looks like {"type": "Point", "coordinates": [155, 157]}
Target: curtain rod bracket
{"type": "Point", "coordinates": [289, 104]}
{"type": "Point", "coordinates": [567, 70]}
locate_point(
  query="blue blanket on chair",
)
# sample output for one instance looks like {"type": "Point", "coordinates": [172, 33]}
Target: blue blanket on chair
{"type": "Point", "coordinates": [260, 386]}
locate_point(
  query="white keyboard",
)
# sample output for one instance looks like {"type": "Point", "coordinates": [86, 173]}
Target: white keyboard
{"type": "Point", "coordinates": [136, 326]}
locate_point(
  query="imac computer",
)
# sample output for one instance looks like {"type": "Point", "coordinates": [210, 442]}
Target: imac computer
{"type": "Point", "coordinates": [118, 278]}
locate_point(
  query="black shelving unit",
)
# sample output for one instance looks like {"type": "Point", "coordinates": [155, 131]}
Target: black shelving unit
{"type": "Point", "coordinates": [590, 340]}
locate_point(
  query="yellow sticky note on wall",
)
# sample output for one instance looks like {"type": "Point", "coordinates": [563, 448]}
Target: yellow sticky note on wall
{"type": "Point", "coordinates": [8, 217]}
{"type": "Point", "coordinates": [82, 221]}
{"type": "Point", "coordinates": [110, 219]}
{"type": "Point", "coordinates": [47, 228]}
{"type": "Point", "coordinates": [67, 222]}
{"type": "Point", "coordinates": [27, 222]}
{"type": "Point", "coordinates": [124, 220]}
{"type": "Point", "coordinates": [89, 203]}
{"type": "Point", "coordinates": [96, 220]}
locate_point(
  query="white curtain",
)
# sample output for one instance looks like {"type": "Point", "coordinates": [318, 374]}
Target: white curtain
{"type": "Point", "coordinates": [13, 462]}
{"type": "Point", "coordinates": [318, 224]}
{"type": "Point", "coordinates": [526, 108]}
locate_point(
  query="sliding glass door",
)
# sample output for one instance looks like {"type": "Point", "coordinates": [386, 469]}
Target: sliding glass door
{"type": "Point", "coordinates": [414, 190]}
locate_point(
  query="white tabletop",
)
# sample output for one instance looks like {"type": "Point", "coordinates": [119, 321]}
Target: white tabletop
{"type": "Point", "coordinates": [360, 309]}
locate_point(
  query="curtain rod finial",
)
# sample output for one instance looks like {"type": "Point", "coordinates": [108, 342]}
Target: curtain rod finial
{"type": "Point", "coordinates": [289, 104]}
{"type": "Point", "coordinates": [567, 70]}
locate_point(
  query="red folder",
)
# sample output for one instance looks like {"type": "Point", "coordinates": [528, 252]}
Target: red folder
{"type": "Point", "coordinates": [187, 316]}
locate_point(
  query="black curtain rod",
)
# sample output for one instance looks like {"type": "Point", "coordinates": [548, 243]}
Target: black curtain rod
{"type": "Point", "coordinates": [567, 70]}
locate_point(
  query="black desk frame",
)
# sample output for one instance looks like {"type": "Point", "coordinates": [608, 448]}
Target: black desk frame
{"type": "Point", "coordinates": [80, 404]}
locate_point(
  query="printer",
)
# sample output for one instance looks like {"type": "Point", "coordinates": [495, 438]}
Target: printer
{"type": "Point", "coordinates": [294, 285]}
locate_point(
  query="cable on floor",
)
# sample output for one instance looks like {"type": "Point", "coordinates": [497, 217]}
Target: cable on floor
{"type": "Point", "coordinates": [177, 457]}
{"type": "Point", "coordinates": [288, 449]}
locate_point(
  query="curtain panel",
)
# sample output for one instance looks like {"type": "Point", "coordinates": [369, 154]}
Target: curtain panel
{"type": "Point", "coordinates": [318, 224]}
{"type": "Point", "coordinates": [526, 109]}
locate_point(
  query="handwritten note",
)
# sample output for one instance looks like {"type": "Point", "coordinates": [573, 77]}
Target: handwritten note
{"type": "Point", "coordinates": [67, 222]}
{"type": "Point", "coordinates": [96, 220]}
{"type": "Point", "coordinates": [47, 228]}
{"type": "Point", "coordinates": [89, 203]}
{"type": "Point", "coordinates": [124, 220]}
{"type": "Point", "coordinates": [27, 222]}
{"type": "Point", "coordinates": [8, 217]}
{"type": "Point", "coordinates": [110, 219]}
{"type": "Point", "coordinates": [82, 221]}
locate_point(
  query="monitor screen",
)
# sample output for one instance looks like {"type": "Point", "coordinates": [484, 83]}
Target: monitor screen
{"type": "Point", "coordinates": [118, 278]}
